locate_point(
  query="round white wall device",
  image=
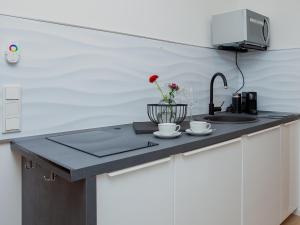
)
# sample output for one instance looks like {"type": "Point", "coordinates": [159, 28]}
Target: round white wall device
{"type": "Point", "coordinates": [12, 54]}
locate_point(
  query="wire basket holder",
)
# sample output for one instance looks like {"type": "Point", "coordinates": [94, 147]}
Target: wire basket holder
{"type": "Point", "coordinates": [167, 113]}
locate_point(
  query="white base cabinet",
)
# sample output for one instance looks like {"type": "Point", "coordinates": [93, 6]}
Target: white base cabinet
{"type": "Point", "coordinates": [289, 168]}
{"type": "Point", "coordinates": [261, 178]}
{"type": "Point", "coordinates": [251, 180]}
{"type": "Point", "coordinates": [208, 185]}
{"type": "Point", "coordinates": [141, 195]}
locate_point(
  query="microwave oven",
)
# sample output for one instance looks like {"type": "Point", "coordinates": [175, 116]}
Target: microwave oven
{"type": "Point", "coordinates": [242, 29]}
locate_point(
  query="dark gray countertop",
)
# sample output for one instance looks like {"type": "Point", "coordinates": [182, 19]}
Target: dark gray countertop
{"type": "Point", "coordinates": [74, 165]}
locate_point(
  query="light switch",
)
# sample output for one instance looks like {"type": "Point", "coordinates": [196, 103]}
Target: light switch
{"type": "Point", "coordinates": [12, 108]}
{"type": "Point", "coordinates": [12, 92]}
{"type": "Point", "coordinates": [11, 114]}
{"type": "Point", "coordinates": [12, 124]}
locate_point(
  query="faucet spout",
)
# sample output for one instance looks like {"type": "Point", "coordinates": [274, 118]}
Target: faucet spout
{"type": "Point", "coordinates": [212, 108]}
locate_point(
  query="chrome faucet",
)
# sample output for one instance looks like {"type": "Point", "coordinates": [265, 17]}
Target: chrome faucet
{"type": "Point", "coordinates": [212, 109]}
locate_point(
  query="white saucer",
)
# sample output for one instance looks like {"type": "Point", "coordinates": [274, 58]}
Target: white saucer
{"type": "Point", "coordinates": [202, 133]}
{"type": "Point", "coordinates": [159, 135]}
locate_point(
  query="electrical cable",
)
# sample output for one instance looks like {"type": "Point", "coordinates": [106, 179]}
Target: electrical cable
{"type": "Point", "coordinates": [237, 65]}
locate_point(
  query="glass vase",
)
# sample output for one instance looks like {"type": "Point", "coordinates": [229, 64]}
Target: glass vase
{"type": "Point", "coordinates": [165, 113]}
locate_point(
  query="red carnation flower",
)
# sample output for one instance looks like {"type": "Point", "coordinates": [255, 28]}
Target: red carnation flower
{"type": "Point", "coordinates": [174, 86]}
{"type": "Point", "coordinates": [153, 78]}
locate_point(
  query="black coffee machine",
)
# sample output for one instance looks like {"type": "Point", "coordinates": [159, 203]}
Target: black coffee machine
{"type": "Point", "coordinates": [245, 102]}
{"type": "Point", "coordinates": [249, 102]}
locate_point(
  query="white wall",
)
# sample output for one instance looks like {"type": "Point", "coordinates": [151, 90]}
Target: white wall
{"type": "Point", "coordinates": [10, 186]}
{"type": "Point", "coordinates": [186, 21]}
{"type": "Point", "coordinates": [284, 16]}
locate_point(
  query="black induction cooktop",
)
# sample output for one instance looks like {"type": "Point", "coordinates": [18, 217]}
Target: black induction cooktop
{"type": "Point", "coordinates": [101, 143]}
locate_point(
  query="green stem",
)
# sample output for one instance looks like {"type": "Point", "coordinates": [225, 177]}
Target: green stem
{"type": "Point", "coordinates": [160, 90]}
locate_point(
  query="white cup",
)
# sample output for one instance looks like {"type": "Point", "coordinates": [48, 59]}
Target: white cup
{"type": "Point", "coordinates": [199, 126]}
{"type": "Point", "coordinates": [168, 128]}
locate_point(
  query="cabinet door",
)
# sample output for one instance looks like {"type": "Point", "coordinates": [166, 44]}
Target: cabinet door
{"type": "Point", "coordinates": [208, 185]}
{"type": "Point", "coordinates": [261, 180]}
{"type": "Point", "coordinates": [289, 168]}
{"type": "Point", "coordinates": [141, 195]}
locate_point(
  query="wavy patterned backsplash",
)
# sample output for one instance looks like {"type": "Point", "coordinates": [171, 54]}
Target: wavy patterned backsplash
{"type": "Point", "coordinates": [275, 75]}
{"type": "Point", "coordinates": [75, 78]}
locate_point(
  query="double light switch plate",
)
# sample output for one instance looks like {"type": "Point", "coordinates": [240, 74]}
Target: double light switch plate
{"type": "Point", "coordinates": [11, 109]}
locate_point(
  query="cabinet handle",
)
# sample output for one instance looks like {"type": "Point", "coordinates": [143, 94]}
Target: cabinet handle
{"type": "Point", "coordinates": [212, 147]}
{"type": "Point", "coordinates": [290, 123]}
{"type": "Point", "coordinates": [139, 167]}
{"type": "Point", "coordinates": [263, 131]}
{"type": "Point", "coordinates": [51, 178]}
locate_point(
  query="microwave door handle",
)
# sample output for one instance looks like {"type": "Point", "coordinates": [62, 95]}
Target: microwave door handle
{"type": "Point", "coordinates": [266, 23]}
{"type": "Point", "coordinates": [263, 30]}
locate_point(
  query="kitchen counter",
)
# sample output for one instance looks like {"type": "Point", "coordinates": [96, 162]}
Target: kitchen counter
{"type": "Point", "coordinates": [74, 165]}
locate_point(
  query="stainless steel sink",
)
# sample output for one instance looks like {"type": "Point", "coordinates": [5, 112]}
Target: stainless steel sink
{"type": "Point", "coordinates": [230, 119]}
